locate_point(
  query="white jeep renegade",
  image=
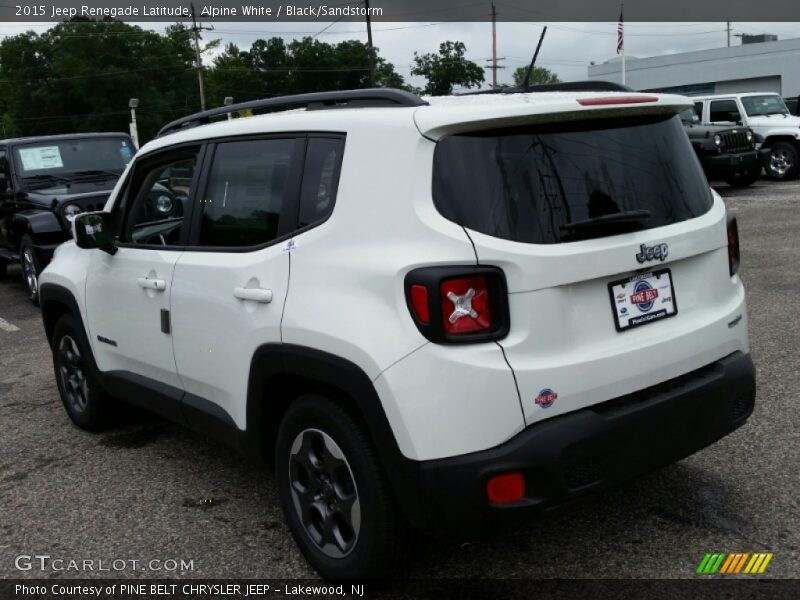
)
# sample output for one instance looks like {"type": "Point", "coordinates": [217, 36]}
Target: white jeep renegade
{"type": "Point", "coordinates": [450, 313]}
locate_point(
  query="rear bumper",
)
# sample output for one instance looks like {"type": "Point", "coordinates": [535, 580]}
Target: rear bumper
{"type": "Point", "coordinates": [591, 449]}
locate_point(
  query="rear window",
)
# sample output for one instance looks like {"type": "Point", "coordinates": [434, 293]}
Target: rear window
{"type": "Point", "coordinates": [526, 185]}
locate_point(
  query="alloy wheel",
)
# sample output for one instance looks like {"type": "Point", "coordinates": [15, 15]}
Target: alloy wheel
{"type": "Point", "coordinates": [71, 372]}
{"type": "Point", "coordinates": [780, 162]}
{"type": "Point", "coordinates": [324, 493]}
{"type": "Point", "coordinates": [29, 273]}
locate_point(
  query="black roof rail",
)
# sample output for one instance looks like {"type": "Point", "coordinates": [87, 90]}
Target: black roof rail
{"type": "Point", "coordinates": [568, 86]}
{"type": "Point", "coordinates": [369, 98]}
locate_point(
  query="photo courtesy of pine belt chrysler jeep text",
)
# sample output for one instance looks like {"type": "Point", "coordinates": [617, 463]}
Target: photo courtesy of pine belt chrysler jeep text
{"type": "Point", "coordinates": [443, 314]}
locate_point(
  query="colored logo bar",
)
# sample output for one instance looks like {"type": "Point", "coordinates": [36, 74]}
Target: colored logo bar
{"type": "Point", "coordinates": [734, 563]}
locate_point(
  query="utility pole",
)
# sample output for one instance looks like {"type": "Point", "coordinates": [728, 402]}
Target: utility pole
{"type": "Point", "coordinates": [494, 66]}
{"type": "Point", "coordinates": [494, 46]}
{"type": "Point", "coordinates": [196, 32]}
{"type": "Point", "coordinates": [729, 33]}
{"type": "Point", "coordinates": [369, 47]}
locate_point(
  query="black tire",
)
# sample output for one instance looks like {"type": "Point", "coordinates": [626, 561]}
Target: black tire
{"type": "Point", "coordinates": [376, 545]}
{"type": "Point", "coordinates": [31, 269]}
{"type": "Point", "coordinates": [86, 403]}
{"type": "Point", "coordinates": [742, 179]}
{"type": "Point", "coordinates": [784, 161]}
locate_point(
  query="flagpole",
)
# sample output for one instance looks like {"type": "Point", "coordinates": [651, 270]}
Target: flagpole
{"type": "Point", "coordinates": [622, 16]}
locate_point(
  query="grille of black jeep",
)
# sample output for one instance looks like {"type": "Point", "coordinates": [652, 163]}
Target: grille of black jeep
{"type": "Point", "coordinates": [736, 141]}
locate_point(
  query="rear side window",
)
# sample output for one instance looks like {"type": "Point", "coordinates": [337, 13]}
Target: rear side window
{"type": "Point", "coordinates": [249, 185]}
{"type": "Point", "coordinates": [527, 184]}
{"type": "Point", "coordinates": [320, 179]}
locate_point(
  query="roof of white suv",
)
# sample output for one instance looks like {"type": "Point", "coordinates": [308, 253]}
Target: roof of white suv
{"type": "Point", "coordinates": [440, 115]}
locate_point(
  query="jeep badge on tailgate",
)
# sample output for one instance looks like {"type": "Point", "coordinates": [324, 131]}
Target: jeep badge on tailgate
{"type": "Point", "coordinates": [656, 251]}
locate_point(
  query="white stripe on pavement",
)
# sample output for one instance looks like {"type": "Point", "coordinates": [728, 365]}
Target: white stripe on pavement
{"type": "Point", "coordinates": [6, 326]}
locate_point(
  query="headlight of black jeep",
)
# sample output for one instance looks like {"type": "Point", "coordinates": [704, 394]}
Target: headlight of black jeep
{"type": "Point", "coordinates": [718, 140]}
{"type": "Point", "coordinates": [164, 204]}
{"type": "Point", "coordinates": [70, 211]}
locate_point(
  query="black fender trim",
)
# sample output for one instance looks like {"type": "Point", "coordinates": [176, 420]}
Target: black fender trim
{"type": "Point", "coordinates": [335, 372]}
{"type": "Point", "coordinates": [51, 294]}
{"type": "Point", "coordinates": [38, 222]}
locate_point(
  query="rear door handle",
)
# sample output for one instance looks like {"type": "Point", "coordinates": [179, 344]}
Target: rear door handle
{"type": "Point", "coordinates": [256, 294]}
{"type": "Point", "coordinates": [152, 284]}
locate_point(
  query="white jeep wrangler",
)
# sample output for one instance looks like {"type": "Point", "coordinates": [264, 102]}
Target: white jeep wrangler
{"type": "Point", "coordinates": [448, 314]}
{"type": "Point", "coordinates": [766, 114]}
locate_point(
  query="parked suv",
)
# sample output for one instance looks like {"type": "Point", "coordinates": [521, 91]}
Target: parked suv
{"type": "Point", "coordinates": [727, 153]}
{"type": "Point", "coordinates": [449, 313]}
{"type": "Point", "coordinates": [770, 120]}
{"type": "Point", "coordinates": [44, 183]}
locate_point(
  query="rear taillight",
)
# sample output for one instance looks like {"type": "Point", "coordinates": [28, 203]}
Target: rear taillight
{"type": "Point", "coordinates": [458, 304]}
{"type": "Point", "coordinates": [733, 245]}
{"type": "Point", "coordinates": [465, 305]}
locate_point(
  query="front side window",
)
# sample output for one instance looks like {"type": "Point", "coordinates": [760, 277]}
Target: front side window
{"type": "Point", "coordinates": [249, 184]}
{"type": "Point", "coordinates": [724, 111]}
{"type": "Point", "coordinates": [534, 184]}
{"type": "Point", "coordinates": [160, 198]}
{"type": "Point", "coordinates": [768, 104]}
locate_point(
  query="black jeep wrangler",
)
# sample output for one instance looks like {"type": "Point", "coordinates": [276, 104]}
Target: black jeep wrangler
{"type": "Point", "coordinates": [727, 153]}
{"type": "Point", "coordinates": [44, 183]}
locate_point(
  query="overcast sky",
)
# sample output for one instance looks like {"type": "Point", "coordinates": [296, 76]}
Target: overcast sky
{"type": "Point", "coordinates": [568, 48]}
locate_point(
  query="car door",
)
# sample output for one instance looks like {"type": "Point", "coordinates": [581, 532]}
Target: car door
{"type": "Point", "coordinates": [128, 293]}
{"type": "Point", "coordinates": [230, 285]}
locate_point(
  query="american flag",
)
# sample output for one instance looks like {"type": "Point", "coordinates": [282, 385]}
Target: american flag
{"type": "Point", "coordinates": [620, 34]}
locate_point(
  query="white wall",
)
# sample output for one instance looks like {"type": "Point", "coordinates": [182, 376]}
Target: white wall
{"type": "Point", "coordinates": [766, 65]}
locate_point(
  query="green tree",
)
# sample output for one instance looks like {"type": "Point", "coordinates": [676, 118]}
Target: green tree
{"type": "Point", "coordinates": [539, 76]}
{"type": "Point", "coordinates": [79, 75]}
{"type": "Point", "coordinates": [273, 68]}
{"type": "Point", "coordinates": [447, 69]}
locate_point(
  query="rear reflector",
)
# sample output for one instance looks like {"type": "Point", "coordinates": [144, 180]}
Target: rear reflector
{"type": "Point", "coordinates": [465, 305]}
{"type": "Point", "coordinates": [506, 488]}
{"type": "Point", "coordinates": [616, 100]}
{"type": "Point", "coordinates": [419, 301]}
{"type": "Point", "coordinates": [733, 245]}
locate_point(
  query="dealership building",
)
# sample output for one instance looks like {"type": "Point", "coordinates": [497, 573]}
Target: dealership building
{"type": "Point", "coordinates": [754, 66]}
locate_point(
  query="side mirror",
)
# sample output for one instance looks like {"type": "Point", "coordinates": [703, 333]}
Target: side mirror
{"type": "Point", "coordinates": [93, 230]}
{"type": "Point", "coordinates": [695, 119]}
{"type": "Point", "coordinates": [3, 183]}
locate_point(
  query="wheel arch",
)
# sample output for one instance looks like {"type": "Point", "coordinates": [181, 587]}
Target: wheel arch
{"type": "Point", "coordinates": [56, 301]}
{"type": "Point", "coordinates": [279, 373]}
{"type": "Point", "coordinates": [773, 139]}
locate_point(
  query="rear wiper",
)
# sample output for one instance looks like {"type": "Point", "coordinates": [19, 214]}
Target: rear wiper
{"type": "Point", "coordinates": [628, 216]}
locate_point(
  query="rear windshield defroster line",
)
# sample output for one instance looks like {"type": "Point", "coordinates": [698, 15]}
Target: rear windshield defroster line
{"type": "Point", "coordinates": [526, 184]}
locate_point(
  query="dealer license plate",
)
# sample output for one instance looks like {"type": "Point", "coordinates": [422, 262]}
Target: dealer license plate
{"type": "Point", "coordinates": [642, 299]}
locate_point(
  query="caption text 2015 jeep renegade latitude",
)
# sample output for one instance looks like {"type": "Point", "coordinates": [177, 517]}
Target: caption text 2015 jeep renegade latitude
{"type": "Point", "coordinates": [449, 314]}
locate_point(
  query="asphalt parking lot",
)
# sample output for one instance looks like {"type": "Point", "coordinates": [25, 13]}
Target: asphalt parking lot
{"type": "Point", "coordinates": [154, 491]}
